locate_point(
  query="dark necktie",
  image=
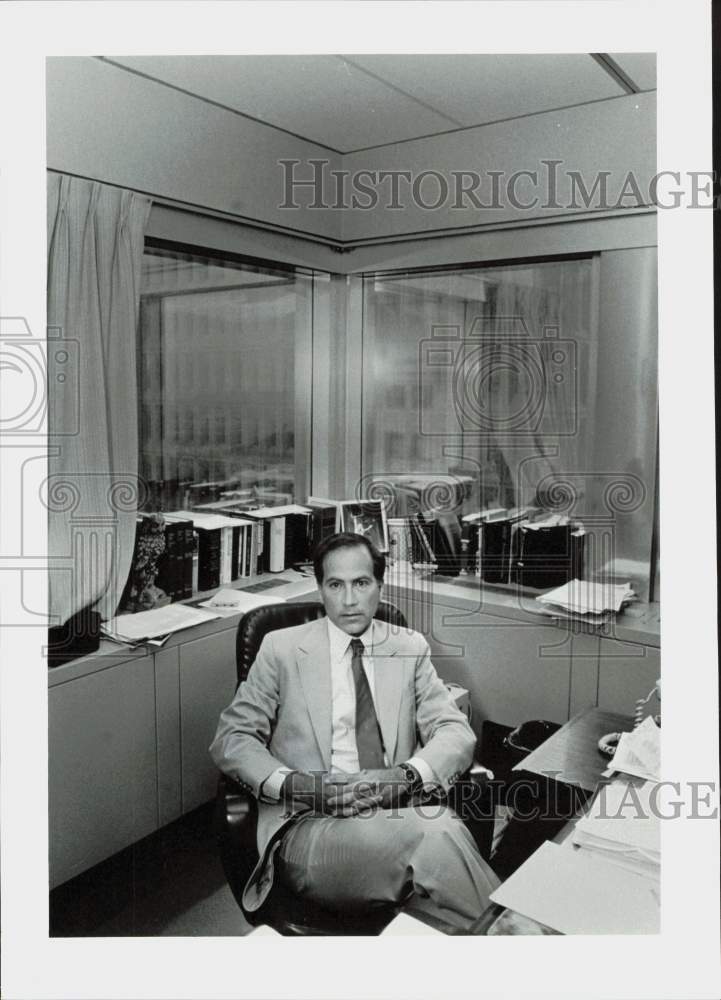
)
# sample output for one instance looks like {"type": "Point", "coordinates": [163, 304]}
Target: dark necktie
{"type": "Point", "coordinates": [367, 731]}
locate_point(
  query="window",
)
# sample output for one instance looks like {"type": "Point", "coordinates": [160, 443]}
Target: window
{"type": "Point", "coordinates": [511, 397]}
{"type": "Point", "coordinates": [224, 347]}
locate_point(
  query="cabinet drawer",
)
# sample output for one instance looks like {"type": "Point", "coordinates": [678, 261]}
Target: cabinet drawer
{"type": "Point", "coordinates": [102, 765]}
{"type": "Point", "coordinates": [207, 685]}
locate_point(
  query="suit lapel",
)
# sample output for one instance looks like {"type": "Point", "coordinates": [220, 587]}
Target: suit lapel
{"type": "Point", "coordinates": [388, 686]}
{"type": "Point", "coordinates": [313, 665]}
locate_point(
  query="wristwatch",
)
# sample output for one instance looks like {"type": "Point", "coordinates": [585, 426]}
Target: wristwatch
{"type": "Point", "coordinates": [414, 782]}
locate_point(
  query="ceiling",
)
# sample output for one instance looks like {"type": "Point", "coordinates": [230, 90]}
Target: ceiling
{"type": "Point", "coordinates": [347, 103]}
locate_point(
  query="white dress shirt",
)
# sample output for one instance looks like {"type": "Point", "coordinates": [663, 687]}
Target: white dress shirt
{"type": "Point", "coordinates": [344, 752]}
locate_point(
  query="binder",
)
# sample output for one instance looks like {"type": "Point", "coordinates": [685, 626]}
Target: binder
{"type": "Point", "coordinates": [421, 550]}
{"type": "Point", "coordinates": [226, 555]}
{"type": "Point", "coordinates": [297, 538]}
{"type": "Point", "coordinates": [189, 551]}
{"type": "Point", "coordinates": [215, 545]}
{"type": "Point", "coordinates": [444, 534]}
{"type": "Point", "coordinates": [172, 564]}
{"type": "Point", "coordinates": [283, 535]}
{"type": "Point", "coordinates": [323, 521]}
{"type": "Point", "coordinates": [276, 558]}
{"type": "Point", "coordinates": [549, 556]}
{"type": "Point", "coordinates": [496, 545]}
{"type": "Point", "coordinates": [495, 550]}
{"type": "Point", "coordinates": [236, 554]}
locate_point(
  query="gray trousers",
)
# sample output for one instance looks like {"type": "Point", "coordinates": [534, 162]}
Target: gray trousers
{"type": "Point", "coordinates": [422, 854]}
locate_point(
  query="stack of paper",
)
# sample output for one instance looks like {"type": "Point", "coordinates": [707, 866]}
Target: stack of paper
{"type": "Point", "coordinates": [594, 602]}
{"type": "Point", "coordinates": [622, 828]}
{"type": "Point", "coordinates": [552, 521]}
{"type": "Point", "coordinates": [152, 625]}
{"type": "Point", "coordinates": [575, 892]}
{"type": "Point", "coordinates": [639, 753]}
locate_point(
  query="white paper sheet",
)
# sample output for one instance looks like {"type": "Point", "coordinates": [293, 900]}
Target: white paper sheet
{"type": "Point", "coordinates": [639, 753]}
{"type": "Point", "coordinates": [157, 622]}
{"type": "Point", "coordinates": [621, 814]}
{"type": "Point", "coordinates": [576, 893]}
{"type": "Point", "coordinates": [586, 597]}
{"type": "Point", "coordinates": [406, 924]}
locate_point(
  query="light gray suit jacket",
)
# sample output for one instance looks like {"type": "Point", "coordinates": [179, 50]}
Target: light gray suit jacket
{"type": "Point", "coordinates": [281, 717]}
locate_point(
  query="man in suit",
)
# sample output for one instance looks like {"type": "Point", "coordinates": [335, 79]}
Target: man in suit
{"type": "Point", "coordinates": [339, 728]}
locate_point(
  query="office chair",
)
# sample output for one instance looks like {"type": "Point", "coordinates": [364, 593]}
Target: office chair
{"type": "Point", "coordinates": [237, 810]}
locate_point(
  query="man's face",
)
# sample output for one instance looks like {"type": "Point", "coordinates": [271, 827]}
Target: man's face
{"type": "Point", "coordinates": [350, 593]}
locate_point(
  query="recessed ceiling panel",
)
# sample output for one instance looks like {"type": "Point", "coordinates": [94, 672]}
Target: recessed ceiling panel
{"type": "Point", "coordinates": [639, 66]}
{"type": "Point", "coordinates": [322, 98]}
{"type": "Point", "coordinates": [476, 89]}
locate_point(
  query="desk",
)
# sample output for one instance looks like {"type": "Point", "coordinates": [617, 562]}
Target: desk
{"type": "Point", "coordinates": [571, 756]}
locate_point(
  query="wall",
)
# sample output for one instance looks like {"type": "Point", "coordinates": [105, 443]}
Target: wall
{"type": "Point", "coordinates": [116, 127]}
{"type": "Point", "coordinates": [616, 135]}
{"type": "Point", "coordinates": [121, 128]}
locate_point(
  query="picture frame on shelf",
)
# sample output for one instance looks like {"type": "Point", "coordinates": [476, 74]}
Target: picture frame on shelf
{"type": "Point", "coordinates": [367, 518]}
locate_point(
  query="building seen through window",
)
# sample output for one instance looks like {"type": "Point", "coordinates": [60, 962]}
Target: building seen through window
{"type": "Point", "coordinates": [217, 346]}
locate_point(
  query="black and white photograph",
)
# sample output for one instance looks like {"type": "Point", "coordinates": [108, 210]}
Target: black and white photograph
{"type": "Point", "coordinates": [358, 415]}
{"type": "Point", "coordinates": [367, 518]}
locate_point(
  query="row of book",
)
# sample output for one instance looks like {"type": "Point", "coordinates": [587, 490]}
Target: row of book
{"type": "Point", "coordinates": [527, 547]}
{"type": "Point", "coordinates": [521, 545]}
{"type": "Point", "coordinates": [215, 544]}
{"type": "Point", "coordinates": [219, 543]}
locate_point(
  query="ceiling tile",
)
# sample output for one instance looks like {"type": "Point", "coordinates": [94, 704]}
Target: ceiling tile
{"type": "Point", "coordinates": [639, 66]}
{"type": "Point", "coordinates": [322, 98]}
{"type": "Point", "coordinates": [475, 89]}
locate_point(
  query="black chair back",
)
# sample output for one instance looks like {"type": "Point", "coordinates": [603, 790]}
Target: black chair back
{"type": "Point", "coordinates": [256, 623]}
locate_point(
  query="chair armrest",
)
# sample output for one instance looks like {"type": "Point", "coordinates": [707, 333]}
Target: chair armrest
{"type": "Point", "coordinates": [479, 774]}
{"type": "Point", "coordinates": [236, 818]}
{"type": "Point", "coordinates": [237, 812]}
{"type": "Point", "coordinates": [472, 799]}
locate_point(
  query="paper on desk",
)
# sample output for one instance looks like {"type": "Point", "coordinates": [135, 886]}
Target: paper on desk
{"type": "Point", "coordinates": [265, 930]}
{"type": "Point", "coordinates": [157, 622]}
{"type": "Point", "coordinates": [290, 508]}
{"type": "Point", "coordinates": [404, 923]}
{"type": "Point", "coordinates": [553, 611]}
{"type": "Point", "coordinates": [622, 827]}
{"type": "Point", "coordinates": [639, 753]}
{"type": "Point", "coordinates": [576, 893]}
{"type": "Point", "coordinates": [229, 602]}
{"type": "Point", "coordinates": [586, 597]}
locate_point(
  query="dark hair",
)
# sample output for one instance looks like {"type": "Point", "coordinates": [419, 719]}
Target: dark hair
{"type": "Point", "coordinates": [346, 540]}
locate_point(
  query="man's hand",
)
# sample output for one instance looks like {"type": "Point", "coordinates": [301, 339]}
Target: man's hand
{"type": "Point", "coordinates": [333, 794]}
{"type": "Point", "coordinates": [388, 785]}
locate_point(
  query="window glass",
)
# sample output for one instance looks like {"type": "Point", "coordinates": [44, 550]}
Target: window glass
{"type": "Point", "coordinates": [220, 417]}
{"type": "Point", "coordinates": [485, 388]}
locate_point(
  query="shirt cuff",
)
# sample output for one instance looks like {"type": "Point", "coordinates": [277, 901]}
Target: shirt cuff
{"type": "Point", "coordinates": [424, 769]}
{"type": "Point", "coordinates": [270, 789]}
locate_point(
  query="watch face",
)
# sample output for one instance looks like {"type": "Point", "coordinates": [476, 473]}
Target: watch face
{"type": "Point", "coordinates": [411, 776]}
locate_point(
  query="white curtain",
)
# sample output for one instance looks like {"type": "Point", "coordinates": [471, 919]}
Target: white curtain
{"type": "Point", "coordinates": [95, 247]}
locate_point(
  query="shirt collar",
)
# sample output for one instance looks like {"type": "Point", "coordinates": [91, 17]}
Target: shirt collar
{"type": "Point", "coordinates": [340, 640]}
